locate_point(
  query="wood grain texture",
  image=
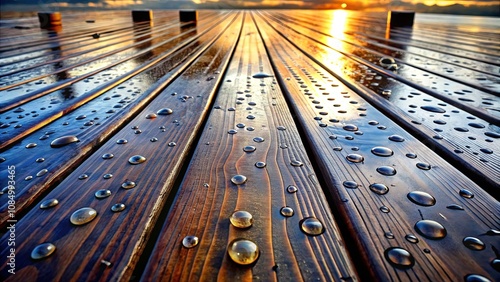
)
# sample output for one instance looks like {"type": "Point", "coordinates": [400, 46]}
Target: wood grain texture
{"type": "Point", "coordinates": [207, 197]}
{"type": "Point", "coordinates": [120, 237]}
{"type": "Point", "coordinates": [374, 231]}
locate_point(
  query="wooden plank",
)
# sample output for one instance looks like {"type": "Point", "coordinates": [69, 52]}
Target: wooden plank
{"type": "Point", "coordinates": [473, 150]}
{"type": "Point", "coordinates": [119, 238]}
{"type": "Point", "coordinates": [342, 138]}
{"type": "Point", "coordinates": [207, 197]}
{"type": "Point", "coordinates": [92, 123]}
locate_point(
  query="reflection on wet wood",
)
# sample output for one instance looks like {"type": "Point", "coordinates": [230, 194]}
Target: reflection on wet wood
{"type": "Point", "coordinates": [388, 137]}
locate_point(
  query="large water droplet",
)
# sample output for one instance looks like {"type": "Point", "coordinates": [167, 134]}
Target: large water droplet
{"type": "Point", "coordinates": [385, 209]}
{"type": "Point", "coordinates": [382, 151]}
{"type": "Point", "coordinates": [43, 250]}
{"type": "Point", "coordinates": [42, 172]}
{"type": "Point", "coordinates": [241, 219]}
{"type": "Point", "coordinates": [164, 111]}
{"type": "Point", "coordinates": [423, 166]}
{"type": "Point", "coordinates": [396, 138]}
{"type": "Point", "coordinates": [421, 198]}
{"type": "Point", "coordinates": [399, 258]}
{"type": "Point", "coordinates": [379, 188]}
{"type": "Point", "coordinates": [476, 278]}
{"type": "Point", "coordinates": [121, 141]}
{"type": "Point", "coordinates": [102, 193]}
{"type": "Point", "coordinates": [137, 159]}
{"type": "Point", "coordinates": [350, 127]}
{"type": "Point", "coordinates": [49, 203]}
{"type": "Point", "coordinates": [261, 75]}
{"type": "Point", "coordinates": [433, 109]}
{"type": "Point", "coordinates": [63, 141]}
{"type": "Point", "coordinates": [249, 149]}
{"type": "Point", "coordinates": [128, 184]}
{"type": "Point", "coordinates": [474, 243]}
{"type": "Point", "coordinates": [151, 116]}
{"type": "Point", "coordinates": [286, 211]}
{"type": "Point", "coordinates": [466, 193]}
{"type": "Point", "coordinates": [107, 156]}
{"type": "Point", "coordinates": [386, 170]}
{"type": "Point", "coordinates": [430, 229]}
{"type": "Point", "coordinates": [258, 139]}
{"type": "Point", "coordinates": [350, 184]}
{"type": "Point", "coordinates": [30, 145]}
{"type": "Point", "coordinates": [118, 207]}
{"type": "Point", "coordinates": [190, 241]}
{"type": "Point", "coordinates": [260, 164]}
{"type": "Point", "coordinates": [107, 176]}
{"type": "Point", "coordinates": [311, 226]}
{"type": "Point", "coordinates": [83, 216]}
{"type": "Point", "coordinates": [239, 179]}
{"type": "Point", "coordinates": [243, 251]}
{"type": "Point", "coordinates": [355, 158]}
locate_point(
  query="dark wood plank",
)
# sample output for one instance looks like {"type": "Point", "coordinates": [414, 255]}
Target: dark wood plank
{"type": "Point", "coordinates": [207, 197]}
{"type": "Point", "coordinates": [380, 220]}
{"type": "Point", "coordinates": [119, 238]}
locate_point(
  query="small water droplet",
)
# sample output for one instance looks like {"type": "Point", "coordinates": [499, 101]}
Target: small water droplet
{"type": "Point", "coordinates": [102, 193]}
{"type": "Point", "coordinates": [311, 226]}
{"type": "Point", "coordinates": [137, 159]}
{"type": "Point", "coordinates": [164, 111]}
{"type": "Point", "coordinates": [286, 211]}
{"type": "Point", "coordinates": [107, 156]}
{"type": "Point", "coordinates": [411, 155]}
{"type": "Point", "coordinates": [172, 144]}
{"type": "Point", "coordinates": [241, 219]}
{"type": "Point", "coordinates": [232, 131]}
{"type": "Point", "coordinates": [382, 151]}
{"type": "Point", "coordinates": [396, 138]}
{"type": "Point", "coordinates": [296, 163]}
{"type": "Point", "coordinates": [455, 207]}
{"type": "Point", "coordinates": [493, 232]}
{"type": "Point", "coordinates": [261, 75]}
{"type": "Point", "coordinates": [355, 158]}
{"type": "Point", "coordinates": [42, 172]}
{"type": "Point", "coordinates": [399, 257]}
{"type": "Point", "coordinates": [83, 216]}
{"type": "Point", "coordinates": [430, 229]}
{"type": "Point", "coordinates": [476, 278]}
{"type": "Point", "coordinates": [29, 177]}
{"type": "Point", "coordinates": [240, 125]}
{"type": "Point", "coordinates": [243, 251]}
{"type": "Point", "coordinates": [495, 263]}
{"type": "Point", "coordinates": [389, 235]}
{"type": "Point", "coordinates": [260, 164]}
{"type": "Point", "coordinates": [258, 139]}
{"type": "Point", "coordinates": [433, 109]}
{"type": "Point", "coordinates": [151, 116]}
{"type": "Point", "coordinates": [128, 184]}
{"type": "Point", "coordinates": [63, 141]}
{"type": "Point", "coordinates": [107, 176]}
{"type": "Point", "coordinates": [350, 127]}
{"type": "Point", "coordinates": [386, 170]}
{"type": "Point", "coordinates": [43, 250]}
{"type": "Point", "coordinates": [385, 209]}
{"type": "Point", "coordinates": [83, 176]}
{"type": "Point", "coordinates": [239, 179]}
{"type": "Point", "coordinates": [49, 203]}
{"type": "Point", "coordinates": [421, 198]}
{"type": "Point", "coordinates": [338, 149]}
{"type": "Point", "coordinates": [350, 184]}
{"type": "Point", "coordinates": [249, 149]}
{"type": "Point", "coordinates": [118, 207]}
{"type": "Point", "coordinates": [190, 241]}
{"type": "Point", "coordinates": [474, 243]}
{"type": "Point", "coordinates": [411, 238]}
{"type": "Point", "coordinates": [31, 145]}
{"type": "Point", "coordinates": [379, 188]}
{"type": "Point", "coordinates": [121, 141]}
{"type": "Point", "coordinates": [466, 194]}
{"type": "Point", "coordinates": [281, 127]}
{"type": "Point", "coordinates": [461, 129]}
{"type": "Point", "coordinates": [292, 189]}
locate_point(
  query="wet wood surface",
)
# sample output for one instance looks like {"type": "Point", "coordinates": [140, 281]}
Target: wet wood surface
{"type": "Point", "coordinates": [390, 138]}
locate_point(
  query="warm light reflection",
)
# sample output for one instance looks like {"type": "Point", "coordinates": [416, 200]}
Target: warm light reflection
{"type": "Point", "coordinates": [338, 23]}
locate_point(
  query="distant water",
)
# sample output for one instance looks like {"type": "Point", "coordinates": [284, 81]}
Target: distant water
{"type": "Point", "coordinates": [464, 23]}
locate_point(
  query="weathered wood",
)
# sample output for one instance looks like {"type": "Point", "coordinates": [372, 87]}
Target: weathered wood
{"type": "Point", "coordinates": [120, 237]}
{"type": "Point", "coordinates": [207, 197]}
{"type": "Point", "coordinates": [374, 231]}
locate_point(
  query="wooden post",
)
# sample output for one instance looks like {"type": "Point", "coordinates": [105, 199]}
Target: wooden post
{"type": "Point", "coordinates": [49, 19]}
{"type": "Point", "coordinates": [400, 18]}
{"type": "Point", "coordinates": [142, 15]}
{"type": "Point", "coordinates": [188, 16]}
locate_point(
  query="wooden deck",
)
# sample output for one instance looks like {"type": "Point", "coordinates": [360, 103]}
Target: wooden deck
{"type": "Point", "coordinates": [351, 152]}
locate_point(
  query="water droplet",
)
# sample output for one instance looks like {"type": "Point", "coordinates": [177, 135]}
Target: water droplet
{"type": "Point", "coordinates": [385, 209]}
{"type": "Point", "coordinates": [379, 188]}
{"type": "Point", "coordinates": [474, 243]}
{"type": "Point", "coordinates": [296, 163]}
{"type": "Point", "coordinates": [493, 232]}
{"type": "Point", "coordinates": [153, 139]}
{"type": "Point", "coordinates": [495, 263]}
{"type": "Point", "coordinates": [396, 138]}
{"type": "Point", "coordinates": [137, 159]}
{"type": "Point", "coordinates": [261, 75]}
{"type": "Point", "coordinates": [382, 151]}
{"type": "Point", "coordinates": [232, 131]}
{"type": "Point", "coordinates": [121, 141]}
{"type": "Point", "coordinates": [350, 184]}
{"type": "Point", "coordinates": [164, 111]}
{"type": "Point", "coordinates": [476, 125]}
{"type": "Point", "coordinates": [83, 176]}
{"type": "Point", "coordinates": [83, 216]}
{"type": "Point", "coordinates": [239, 179]}
{"type": "Point", "coordinates": [461, 129]}
{"type": "Point", "coordinates": [281, 127]}
{"type": "Point", "coordinates": [118, 207]}
{"type": "Point", "coordinates": [486, 150]}
{"type": "Point", "coordinates": [411, 155]}
{"type": "Point", "coordinates": [399, 257]}
{"type": "Point", "coordinates": [49, 203]}
{"type": "Point", "coordinates": [466, 194]}
{"type": "Point", "coordinates": [421, 198]}
{"type": "Point", "coordinates": [311, 226]}
{"type": "Point", "coordinates": [172, 144]}
{"type": "Point", "coordinates": [286, 211]}
{"type": "Point", "coordinates": [476, 278]}
{"type": "Point", "coordinates": [42, 172]}
{"type": "Point", "coordinates": [350, 127]}
{"type": "Point", "coordinates": [31, 145]}
{"type": "Point", "coordinates": [249, 149]}
{"type": "Point", "coordinates": [43, 250]}
{"type": "Point", "coordinates": [411, 238]}
{"type": "Point", "coordinates": [260, 164]}
{"type": "Point", "coordinates": [107, 176]}
{"type": "Point", "coordinates": [455, 207]}
{"type": "Point", "coordinates": [355, 158]}
{"type": "Point", "coordinates": [386, 62]}
{"type": "Point", "coordinates": [190, 241]}
{"type": "Point", "coordinates": [292, 189]}
{"type": "Point", "coordinates": [386, 170]}
{"type": "Point", "coordinates": [338, 149]}
{"type": "Point", "coordinates": [63, 141]}
{"type": "Point", "coordinates": [240, 125]}
{"type": "Point", "coordinates": [433, 109]}
{"type": "Point", "coordinates": [151, 116]}
{"type": "Point", "coordinates": [258, 139]}
{"type": "Point", "coordinates": [373, 122]}
{"type": "Point", "coordinates": [430, 229]}
{"type": "Point", "coordinates": [102, 193]}
{"type": "Point", "coordinates": [389, 235]}
{"type": "Point", "coordinates": [29, 177]}
{"type": "Point", "coordinates": [243, 251]}
{"type": "Point", "coordinates": [241, 219]}
{"type": "Point", "coordinates": [108, 156]}
{"type": "Point", "coordinates": [128, 184]}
